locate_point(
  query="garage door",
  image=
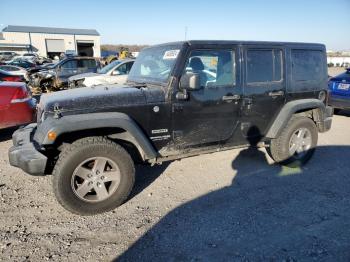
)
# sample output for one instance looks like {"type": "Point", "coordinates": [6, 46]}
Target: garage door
{"type": "Point", "coordinates": [55, 45]}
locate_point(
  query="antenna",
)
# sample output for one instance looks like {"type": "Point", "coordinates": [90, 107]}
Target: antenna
{"type": "Point", "coordinates": [186, 33]}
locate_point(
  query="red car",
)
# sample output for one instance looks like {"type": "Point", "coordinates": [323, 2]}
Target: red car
{"type": "Point", "coordinates": [17, 107]}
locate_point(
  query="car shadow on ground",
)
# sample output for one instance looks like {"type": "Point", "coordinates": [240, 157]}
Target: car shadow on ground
{"type": "Point", "coordinates": [145, 176]}
{"type": "Point", "coordinates": [269, 212]}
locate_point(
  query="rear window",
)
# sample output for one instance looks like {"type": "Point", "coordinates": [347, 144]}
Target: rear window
{"type": "Point", "coordinates": [307, 65]}
{"type": "Point", "coordinates": [264, 65]}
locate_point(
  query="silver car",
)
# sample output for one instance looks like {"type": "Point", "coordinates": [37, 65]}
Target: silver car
{"type": "Point", "coordinates": [114, 73]}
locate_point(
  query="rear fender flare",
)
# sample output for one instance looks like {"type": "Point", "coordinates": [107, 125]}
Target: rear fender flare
{"type": "Point", "coordinates": [289, 109]}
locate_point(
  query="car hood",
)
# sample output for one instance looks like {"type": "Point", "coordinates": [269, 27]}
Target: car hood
{"type": "Point", "coordinates": [81, 76]}
{"type": "Point", "coordinates": [99, 99]}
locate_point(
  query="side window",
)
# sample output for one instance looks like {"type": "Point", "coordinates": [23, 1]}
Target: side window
{"type": "Point", "coordinates": [215, 67]}
{"type": "Point", "coordinates": [71, 64]}
{"type": "Point", "coordinates": [264, 65]}
{"type": "Point", "coordinates": [307, 65]}
{"type": "Point", "coordinates": [128, 66]}
{"type": "Point", "coordinates": [87, 63]}
{"type": "Point", "coordinates": [122, 69]}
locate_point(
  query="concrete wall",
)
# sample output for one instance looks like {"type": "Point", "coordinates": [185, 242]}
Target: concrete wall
{"type": "Point", "coordinates": [39, 41]}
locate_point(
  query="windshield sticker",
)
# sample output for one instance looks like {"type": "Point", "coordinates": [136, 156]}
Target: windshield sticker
{"type": "Point", "coordinates": [171, 54]}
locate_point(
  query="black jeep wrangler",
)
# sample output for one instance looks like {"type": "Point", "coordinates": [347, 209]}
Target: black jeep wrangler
{"type": "Point", "coordinates": [181, 99]}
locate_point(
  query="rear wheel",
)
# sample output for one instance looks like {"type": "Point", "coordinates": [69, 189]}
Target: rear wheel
{"type": "Point", "coordinates": [296, 144]}
{"type": "Point", "coordinates": [93, 175]}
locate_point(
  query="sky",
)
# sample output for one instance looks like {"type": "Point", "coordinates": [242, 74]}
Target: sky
{"type": "Point", "coordinates": [154, 22]}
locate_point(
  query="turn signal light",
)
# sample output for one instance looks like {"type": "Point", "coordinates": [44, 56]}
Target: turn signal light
{"type": "Point", "coordinates": [52, 135]}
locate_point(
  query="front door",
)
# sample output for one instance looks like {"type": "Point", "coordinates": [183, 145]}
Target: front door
{"type": "Point", "coordinates": [210, 114]}
{"type": "Point", "coordinates": [264, 90]}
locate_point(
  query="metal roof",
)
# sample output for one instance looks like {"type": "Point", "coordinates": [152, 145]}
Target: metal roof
{"type": "Point", "coordinates": [49, 30]}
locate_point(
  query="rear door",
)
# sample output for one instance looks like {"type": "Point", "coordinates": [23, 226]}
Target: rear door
{"type": "Point", "coordinates": [264, 88]}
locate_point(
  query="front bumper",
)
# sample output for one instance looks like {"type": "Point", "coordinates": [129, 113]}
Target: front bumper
{"type": "Point", "coordinates": [24, 154]}
{"type": "Point", "coordinates": [341, 102]}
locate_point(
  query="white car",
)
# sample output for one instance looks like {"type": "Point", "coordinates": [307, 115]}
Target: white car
{"type": "Point", "coordinates": [114, 73]}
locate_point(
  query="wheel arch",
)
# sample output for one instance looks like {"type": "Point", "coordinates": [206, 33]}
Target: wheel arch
{"type": "Point", "coordinates": [116, 126]}
{"type": "Point", "coordinates": [312, 108]}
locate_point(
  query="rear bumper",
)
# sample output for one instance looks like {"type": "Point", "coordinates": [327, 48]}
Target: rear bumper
{"type": "Point", "coordinates": [24, 154]}
{"type": "Point", "coordinates": [339, 102]}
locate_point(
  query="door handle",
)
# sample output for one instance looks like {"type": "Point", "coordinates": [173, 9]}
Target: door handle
{"type": "Point", "coordinates": [276, 93]}
{"type": "Point", "coordinates": [230, 98]}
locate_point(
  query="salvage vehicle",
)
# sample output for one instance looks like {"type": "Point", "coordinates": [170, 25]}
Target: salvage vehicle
{"type": "Point", "coordinates": [15, 70]}
{"type": "Point", "coordinates": [339, 90]}
{"type": "Point", "coordinates": [17, 107]}
{"type": "Point", "coordinates": [21, 62]}
{"type": "Point", "coordinates": [53, 78]}
{"type": "Point", "coordinates": [12, 74]}
{"type": "Point", "coordinates": [114, 73]}
{"type": "Point", "coordinates": [7, 55]}
{"type": "Point", "coordinates": [267, 94]}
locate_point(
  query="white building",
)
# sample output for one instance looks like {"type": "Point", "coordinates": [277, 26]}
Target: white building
{"type": "Point", "coordinates": [343, 61]}
{"type": "Point", "coordinates": [49, 41]}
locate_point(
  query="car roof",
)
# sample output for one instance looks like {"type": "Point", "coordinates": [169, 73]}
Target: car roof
{"type": "Point", "coordinates": [241, 42]}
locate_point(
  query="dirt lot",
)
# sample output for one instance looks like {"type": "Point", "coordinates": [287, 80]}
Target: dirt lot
{"type": "Point", "coordinates": [229, 205]}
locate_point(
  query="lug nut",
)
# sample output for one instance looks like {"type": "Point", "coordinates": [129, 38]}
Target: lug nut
{"type": "Point", "coordinates": [89, 176]}
{"type": "Point", "coordinates": [90, 183]}
{"type": "Point", "coordinates": [102, 177]}
{"type": "Point", "coordinates": [98, 184]}
{"type": "Point", "coordinates": [97, 172]}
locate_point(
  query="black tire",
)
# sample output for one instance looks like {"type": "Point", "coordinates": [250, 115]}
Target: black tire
{"type": "Point", "coordinates": [72, 156]}
{"type": "Point", "coordinates": [279, 147]}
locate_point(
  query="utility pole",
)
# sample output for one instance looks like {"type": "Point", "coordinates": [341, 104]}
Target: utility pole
{"type": "Point", "coordinates": [185, 33]}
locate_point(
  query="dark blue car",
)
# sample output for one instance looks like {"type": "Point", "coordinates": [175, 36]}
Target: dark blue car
{"type": "Point", "coordinates": [339, 87]}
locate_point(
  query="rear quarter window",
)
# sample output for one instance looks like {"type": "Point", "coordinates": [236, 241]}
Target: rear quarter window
{"type": "Point", "coordinates": [307, 65]}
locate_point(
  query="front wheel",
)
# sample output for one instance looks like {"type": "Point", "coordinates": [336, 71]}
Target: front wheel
{"type": "Point", "coordinates": [296, 144]}
{"type": "Point", "coordinates": [93, 175]}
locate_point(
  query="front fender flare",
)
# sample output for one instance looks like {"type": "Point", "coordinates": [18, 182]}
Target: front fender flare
{"type": "Point", "coordinates": [73, 123]}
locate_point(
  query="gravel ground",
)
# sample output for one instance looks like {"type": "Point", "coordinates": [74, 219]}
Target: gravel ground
{"type": "Point", "coordinates": [234, 205]}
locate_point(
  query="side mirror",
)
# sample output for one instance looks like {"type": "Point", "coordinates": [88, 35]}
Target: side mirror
{"type": "Point", "coordinates": [190, 81]}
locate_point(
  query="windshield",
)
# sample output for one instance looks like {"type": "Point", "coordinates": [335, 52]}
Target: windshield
{"type": "Point", "coordinates": [107, 68]}
{"type": "Point", "coordinates": [154, 64]}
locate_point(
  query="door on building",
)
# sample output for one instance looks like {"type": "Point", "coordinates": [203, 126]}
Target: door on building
{"type": "Point", "coordinates": [85, 48]}
{"type": "Point", "coordinates": [54, 47]}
